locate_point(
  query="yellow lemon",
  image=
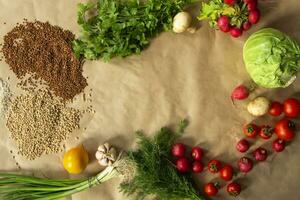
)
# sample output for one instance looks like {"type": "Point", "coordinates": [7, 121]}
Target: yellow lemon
{"type": "Point", "coordinates": [76, 160]}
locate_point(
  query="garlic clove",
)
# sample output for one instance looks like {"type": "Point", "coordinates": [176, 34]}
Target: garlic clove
{"type": "Point", "coordinates": [99, 155]}
{"type": "Point", "coordinates": [107, 146]}
{"type": "Point", "coordinates": [103, 162]}
{"type": "Point", "coordinates": [102, 148]}
{"type": "Point", "coordinates": [113, 153]}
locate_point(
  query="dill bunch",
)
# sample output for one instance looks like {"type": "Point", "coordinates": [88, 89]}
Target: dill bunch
{"type": "Point", "coordinates": [147, 170]}
{"type": "Point", "coordinates": [155, 173]}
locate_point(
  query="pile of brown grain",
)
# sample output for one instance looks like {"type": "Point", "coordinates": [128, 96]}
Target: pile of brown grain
{"type": "Point", "coordinates": [46, 51]}
{"type": "Point", "coordinates": [39, 122]}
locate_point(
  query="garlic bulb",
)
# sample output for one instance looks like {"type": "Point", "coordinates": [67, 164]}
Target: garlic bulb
{"type": "Point", "coordinates": [106, 155]}
{"type": "Point", "coordinates": [181, 22]}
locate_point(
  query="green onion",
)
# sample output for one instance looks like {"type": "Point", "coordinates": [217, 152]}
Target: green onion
{"type": "Point", "coordinates": [19, 187]}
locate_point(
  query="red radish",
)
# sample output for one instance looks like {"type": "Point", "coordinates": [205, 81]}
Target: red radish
{"type": "Point", "coordinates": [229, 2]}
{"type": "Point", "coordinates": [260, 154]}
{"type": "Point", "coordinates": [197, 153]}
{"type": "Point", "coordinates": [178, 150]}
{"type": "Point", "coordinates": [241, 92]}
{"type": "Point", "coordinates": [234, 189]}
{"type": "Point", "coordinates": [242, 146]}
{"type": "Point", "coordinates": [183, 165]}
{"type": "Point", "coordinates": [245, 164]}
{"type": "Point", "coordinates": [254, 16]}
{"type": "Point", "coordinates": [252, 5]}
{"type": "Point", "coordinates": [247, 25]}
{"type": "Point", "coordinates": [224, 23]}
{"type": "Point", "coordinates": [197, 167]}
{"type": "Point", "coordinates": [236, 32]}
{"type": "Point", "coordinates": [278, 145]}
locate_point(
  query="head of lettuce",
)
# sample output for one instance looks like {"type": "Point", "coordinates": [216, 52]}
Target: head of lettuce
{"type": "Point", "coordinates": [272, 58]}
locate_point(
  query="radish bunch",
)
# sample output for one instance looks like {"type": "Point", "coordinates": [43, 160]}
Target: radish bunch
{"type": "Point", "coordinates": [235, 25]}
{"type": "Point", "coordinates": [225, 22]}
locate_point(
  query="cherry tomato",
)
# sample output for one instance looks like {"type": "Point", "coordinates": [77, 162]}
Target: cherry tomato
{"type": "Point", "coordinates": [291, 107]}
{"type": "Point", "coordinates": [276, 109]}
{"type": "Point", "coordinates": [251, 130]}
{"type": "Point", "coordinates": [284, 129]}
{"type": "Point", "coordinates": [266, 132]}
{"type": "Point", "coordinates": [226, 173]}
{"type": "Point", "coordinates": [214, 166]}
{"type": "Point", "coordinates": [234, 189]}
{"type": "Point", "coordinates": [211, 189]}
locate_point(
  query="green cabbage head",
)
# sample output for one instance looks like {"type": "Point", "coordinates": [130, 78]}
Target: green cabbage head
{"type": "Point", "coordinates": [272, 58]}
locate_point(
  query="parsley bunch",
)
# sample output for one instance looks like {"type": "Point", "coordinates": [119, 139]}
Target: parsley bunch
{"type": "Point", "coordinates": [122, 27]}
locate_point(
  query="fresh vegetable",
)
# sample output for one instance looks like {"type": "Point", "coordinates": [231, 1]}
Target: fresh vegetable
{"type": "Point", "coordinates": [242, 146]}
{"type": "Point", "coordinates": [276, 109]}
{"type": "Point", "coordinates": [183, 165]}
{"type": "Point", "coordinates": [197, 153]}
{"type": "Point", "coordinates": [197, 167]}
{"type": "Point", "coordinates": [211, 189]}
{"type": "Point", "coordinates": [252, 5]}
{"type": "Point", "coordinates": [234, 189]}
{"type": "Point", "coordinates": [259, 106]}
{"type": "Point", "coordinates": [122, 28]}
{"type": "Point", "coordinates": [241, 92]}
{"type": "Point", "coordinates": [178, 150]}
{"type": "Point", "coordinates": [236, 32]}
{"type": "Point", "coordinates": [247, 25]}
{"type": "Point", "coordinates": [226, 173]}
{"type": "Point", "coordinates": [76, 160]}
{"type": "Point", "coordinates": [106, 155]}
{"type": "Point", "coordinates": [147, 171]}
{"type": "Point", "coordinates": [229, 2]}
{"type": "Point", "coordinates": [284, 129]}
{"type": "Point", "coordinates": [271, 58]}
{"type": "Point", "coordinates": [181, 22]}
{"type": "Point", "coordinates": [230, 15]}
{"type": "Point", "coordinates": [278, 145]}
{"type": "Point", "coordinates": [266, 132]}
{"type": "Point", "coordinates": [254, 16]}
{"type": "Point", "coordinates": [260, 154]}
{"type": "Point", "coordinates": [224, 24]}
{"type": "Point", "coordinates": [214, 166]}
{"type": "Point", "coordinates": [245, 164]}
{"type": "Point", "coordinates": [291, 107]}
{"type": "Point", "coordinates": [251, 130]}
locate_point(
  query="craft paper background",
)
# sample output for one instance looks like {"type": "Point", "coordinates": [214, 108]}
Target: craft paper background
{"type": "Point", "coordinates": [178, 76]}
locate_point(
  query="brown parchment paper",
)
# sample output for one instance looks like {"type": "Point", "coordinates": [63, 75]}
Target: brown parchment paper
{"type": "Point", "coordinates": [178, 76]}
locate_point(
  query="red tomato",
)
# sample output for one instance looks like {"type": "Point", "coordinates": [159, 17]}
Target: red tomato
{"type": "Point", "coordinates": [284, 129]}
{"type": "Point", "coordinates": [291, 107]}
{"type": "Point", "coordinates": [211, 189]}
{"type": "Point", "coordinates": [251, 130]}
{"type": "Point", "coordinates": [234, 189]}
{"type": "Point", "coordinates": [226, 173]}
{"type": "Point", "coordinates": [276, 109]}
{"type": "Point", "coordinates": [214, 166]}
{"type": "Point", "coordinates": [266, 132]}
